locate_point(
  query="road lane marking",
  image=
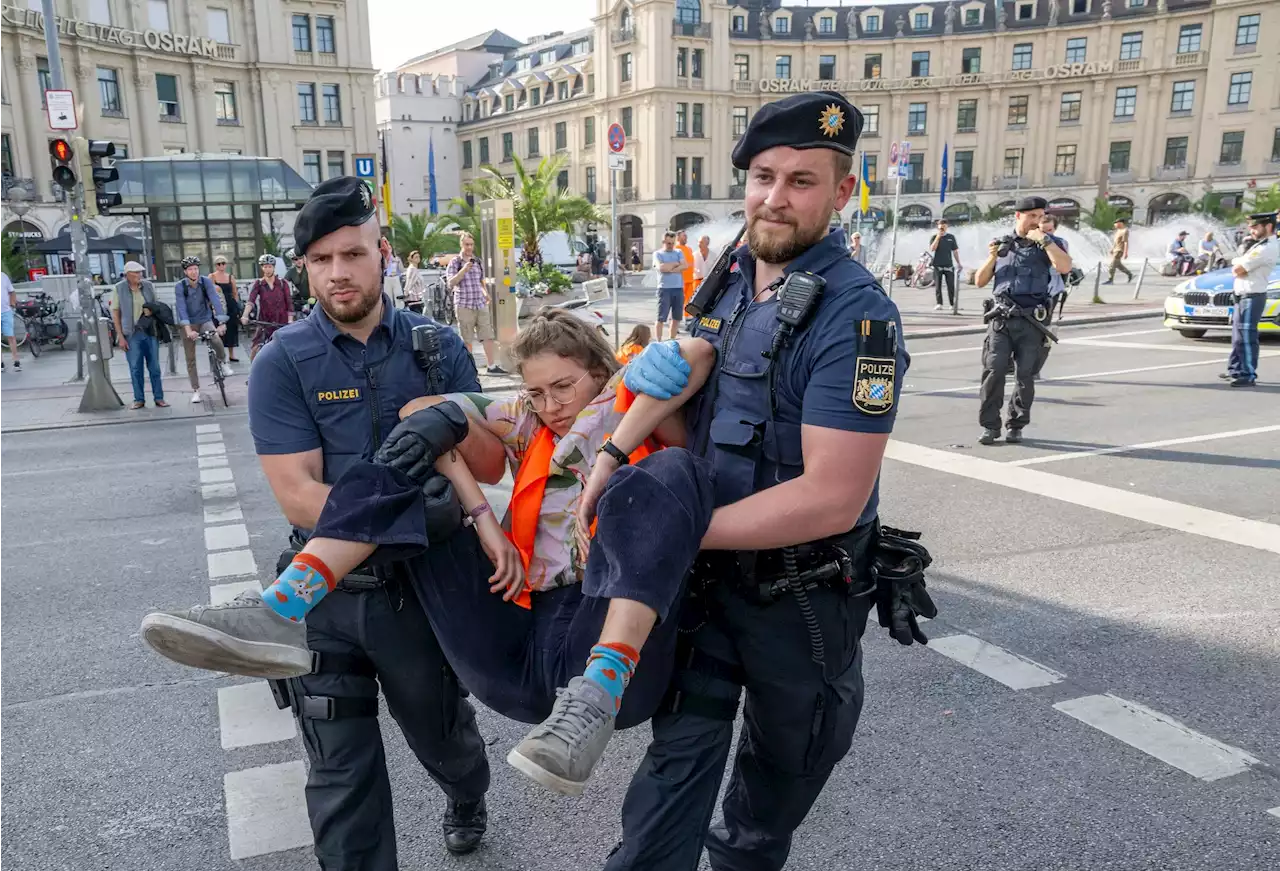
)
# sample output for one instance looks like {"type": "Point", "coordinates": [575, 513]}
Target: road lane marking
{"type": "Point", "coordinates": [1275, 811]}
{"type": "Point", "coordinates": [205, 438]}
{"type": "Point", "coordinates": [1141, 346]}
{"type": "Point", "coordinates": [1099, 497]}
{"type": "Point", "coordinates": [223, 513]}
{"type": "Point", "coordinates": [213, 476]}
{"type": "Point", "coordinates": [1160, 736]}
{"type": "Point", "coordinates": [203, 428]}
{"type": "Point", "coordinates": [225, 490]}
{"type": "Point", "coordinates": [211, 450]}
{"type": "Point", "coordinates": [1014, 671]}
{"type": "Point", "coordinates": [226, 537]}
{"type": "Point", "coordinates": [222, 593]}
{"type": "Point", "coordinates": [977, 348]}
{"type": "Point", "coordinates": [231, 563]}
{"type": "Point", "coordinates": [1122, 449]}
{"type": "Point", "coordinates": [247, 715]}
{"type": "Point", "coordinates": [211, 462]}
{"type": "Point", "coordinates": [266, 809]}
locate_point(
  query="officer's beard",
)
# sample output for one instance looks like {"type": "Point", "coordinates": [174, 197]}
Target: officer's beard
{"type": "Point", "coordinates": [354, 310]}
{"type": "Point", "coordinates": [778, 245]}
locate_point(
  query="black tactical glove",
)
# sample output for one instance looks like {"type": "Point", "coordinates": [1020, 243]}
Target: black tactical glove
{"type": "Point", "coordinates": [441, 508]}
{"type": "Point", "coordinates": [900, 561]}
{"type": "Point", "coordinates": [416, 442]}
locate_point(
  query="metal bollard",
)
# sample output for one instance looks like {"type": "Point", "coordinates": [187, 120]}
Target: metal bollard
{"type": "Point", "coordinates": [1097, 281]}
{"type": "Point", "coordinates": [1142, 271]}
{"type": "Point", "coordinates": [173, 366]}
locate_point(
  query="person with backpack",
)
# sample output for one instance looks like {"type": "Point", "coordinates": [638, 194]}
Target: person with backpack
{"type": "Point", "coordinates": [198, 307]}
{"type": "Point", "coordinates": [270, 301]}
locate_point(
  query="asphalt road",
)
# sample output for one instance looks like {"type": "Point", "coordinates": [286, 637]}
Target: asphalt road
{"type": "Point", "coordinates": [1134, 589]}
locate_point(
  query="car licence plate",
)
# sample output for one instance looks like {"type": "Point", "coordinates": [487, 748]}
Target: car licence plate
{"type": "Point", "coordinates": [1207, 311]}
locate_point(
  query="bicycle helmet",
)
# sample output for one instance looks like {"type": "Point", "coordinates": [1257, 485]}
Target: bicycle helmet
{"type": "Point", "coordinates": [291, 254]}
{"type": "Point", "coordinates": [266, 260]}
{"type": "Point", "coordinates": [190, 261]}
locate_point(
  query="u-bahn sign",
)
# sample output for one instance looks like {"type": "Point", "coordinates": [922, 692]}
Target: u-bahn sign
{"type": "Point", "coordinates": [1059, 71]}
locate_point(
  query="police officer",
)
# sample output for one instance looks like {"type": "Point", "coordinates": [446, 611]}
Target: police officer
{"type": "Point", "coordinates": [1025, 265]}
{"type": "Point", "coordinates": [1252, 274]}
{"type": "Point", "coordinates": [794, 419]}
{"type": "Point", "coordinates": [325, 392]}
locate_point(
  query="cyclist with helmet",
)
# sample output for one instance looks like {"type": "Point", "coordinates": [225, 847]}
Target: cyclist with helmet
{"type": "Point", "coordinates": [298, 280]}
{"type": "Point", "coordinates": [198, 309]}
{"type": "Point", "coordinates": [270, 297]}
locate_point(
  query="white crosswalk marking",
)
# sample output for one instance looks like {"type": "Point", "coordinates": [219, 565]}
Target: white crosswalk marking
{"type": "Point", "coordinates": [1014, 671]}
{"type": "Point", "coordinates": [213, 476]}
{"type": "Point", "coordinates": [219, 491]}
{"type": "Point", "coordinates": [210, 450]}
{"type": "Point", "coordinates": [211, 462]}
{"type": "Point", "coordinates": [207, 428]}
{"type": "Point", "coordinates": [226, 537]}
{"type": "Point", "coordinates": [220, 593]}
{"type": "Point", "coordinates": [222, 513]}
{"type": "Point", "coordinates": [247, 715]}
{"type": "Point", "coordinates": [230, 563]}
{"type": "Point", "coordinates": [265, 811]}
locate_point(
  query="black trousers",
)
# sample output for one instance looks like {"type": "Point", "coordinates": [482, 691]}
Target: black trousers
{"type": "Point", "coordinates": [348, 793]}
{"type": "Point", "coordinates": [949, 274]}
{"type": "Point", "coordinates": [1018, 345]}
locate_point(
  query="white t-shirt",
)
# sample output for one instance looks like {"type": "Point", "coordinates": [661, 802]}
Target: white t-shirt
{"type": "Point", "coordinates": [699, 263]}
{"type": "Point", "coordinates": [6, 288]}
{"type": "Point", "coordinates": [1259, 260]}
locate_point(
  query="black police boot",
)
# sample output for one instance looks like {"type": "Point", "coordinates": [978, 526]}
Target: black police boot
{"type": "Point", "coordinates": [989, 437]}
{"type": "Point", "coordinates": [464, 825]}
{"type": "Point", "coordinates": [1013, 436]}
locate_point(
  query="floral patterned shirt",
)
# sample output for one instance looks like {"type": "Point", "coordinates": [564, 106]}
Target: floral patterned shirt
{"type": "Point", "coordinates": [555, 562]}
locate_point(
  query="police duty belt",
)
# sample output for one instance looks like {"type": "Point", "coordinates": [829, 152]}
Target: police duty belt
{"type": "Point", "coordinates": [1003, 311]}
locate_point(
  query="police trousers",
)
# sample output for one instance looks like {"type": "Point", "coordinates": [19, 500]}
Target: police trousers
{"type": "Point", "coordinates": [348, 793]}
{"type": "Point", "coordinates": [1242, 365]}
{"type": "Point", "coordinates": [1016, 345]}
{"type": "Point", "coordinates": [650, 523]}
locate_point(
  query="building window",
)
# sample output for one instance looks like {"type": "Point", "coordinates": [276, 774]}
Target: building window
{"type": "Point", "coordinates": [546, 57]}
{"type": "Point", "coordinates": [782, 66]}
{"type": "Point", "coordinates": [1026, 11]}
{"type": "Point", "coordinates": [1012, 162]}
{"type": "Point", "coordinates": [562, 135]}
{"type": "Point", "coordinates": [466, 154]}
{"type": "Point", "coordinates": [1064, 161]}
{"type": "Point", "coordinates": [740, 121]}
{"type": "Point", "coordinates": [1232, 147]}
{"type": "Point", "coordinates": [591, 182]}
{"type": "Point", "coordinates": [509, 103]}
{"type": "Point", "coordinates": [311, 166]}
{"type": "Point", "coordinates": [562, 90]}
{"type": "Point", "coordinates": [1136, 4]}
{"type": "Point", "coordinates": [871, 66]}
{"type": "Point", "coordinates": [109, 91]}
{"type": "Point", "coordinates": [6, 156]}
{"type": "Point", "coordinates": [1069, 107]}
{"type": "Point", "coordinates": [915, 165]}
{"type": "Point", "coordinates": [325, 41]}
{"type": "Point", "coordinates": [697, 119]}
{"type": "Point", "coordinates": [1018, 110]}
{"type": "Point", "coordinates": [624, 118]}
{"type": "Point", "coordinates": [535, 96]}
{"type": "Point", "coordinates": [167, 97]}
{"type": "Point", "coordinates": [332, 104]}
{"type": "Point", "coordinates": [1022, 56]}
{"type": "Point", "coordinates": [1118, 158]}
{"type": "Point", "coordinates": [689, 11]}
{"type": "Point", "coordinates": [921, 21]}
{"type": "Point", "coordinates": [739, 24]}
{"type": "Point", "coordinates": [826, 24]}
{"type": "Point", "coordinates": [698, 56]}
{"type": "Point", "coordinates": [682, 62]}
{"type": "Point", "coordinates": [484, 150]}
{"type": "Point", "coordinates": [971, 61]}
{"type": "Point", "coordinates": [508, 147]}
{"type": "Point", "coordinates": [1175, 151]}
{"type": "Point", "coordinates": [871, 120]}
{"type": "Point", "coordinates": [1275, 146]}
{"type": "Point", "coordinates": [1126, 102]}
{"type": "Point", "coordinates": [44, 79]}
{"type": "Point", "coordinates": [1184, 97]}
{"type": "Point", "coordinates": [219, 25]}
{"type": "Point", "coordinates": [302, 33]}
{"type": "Point", "coordinates": [972, 17]}
{"type": "Point", "coordinates": [741, 68]}
{"type": "Point", "coordinates": [1079, 7]}
{"type": "Point", "coordinates": [100, 11]}
{"type": "Point", "coordinates": [224, 103]}
{"type": "Point", "coordinates": [1240, 89]}
{"type": "Point", "coordinates": [1077, 49]}
{"type": "Point", "coordinates": [873, 162]}
{"type": "Point", "coordinates": [966, 116]}
{"type": "Point", "coordinates": [682, 119]}
{"type": "Point", "coordinates": [532, 134]}
{"type": "Point", "coordinates": [306, 103]}
{"type": "Point", "coordinates": [589, 131]}
{"type": "Point", "coordinates": [624, 67]}
{"type": "Point", "coordinates": [963, 165]}
{"type": "Point", "coordinates": [682, 171]}
{"type": "Point", "coordinates": [782, 24]}
{"type": "Point", "coordinates": [1247, 30]}
{"type": "Point", "coordinates": [919, 64]}
{"type": "Point", "coordinates": [1189, 38]}
{"type": "Point", "coordinates": [158, 14]}
{"type": "Point", "coordinates": [1131, 46]}
{"type": "Point", "coordinates": [917, 118]}
{"type": "Point", "coordinates": [826, 66]}
{"type": "Point", "coordinates": [872, 24]}
{"type": "Point", "coordinates": [336, 164]}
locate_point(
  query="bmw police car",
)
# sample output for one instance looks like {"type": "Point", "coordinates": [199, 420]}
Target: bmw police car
{"type": "Point", "coordinates": [1205, 303]}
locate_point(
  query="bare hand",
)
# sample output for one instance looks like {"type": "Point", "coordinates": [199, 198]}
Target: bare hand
{"type": "Point", "coordinates": [993, 248]}
{"type": "Point", "coordinates": [222, 329]}
{"type": "Point", "coordinates": [385, 247]}
{"type": "Point", "coordinates": [122, 343]}
{"type": "Point", "coordinates": [418, 404]}
{"type": "Point", "coordinates": [1036, 235]}
{"type": "Point", "coordinates": [585, 513]}
{"type": "Point", "coordinates": [508, 568]}
{"type": "Point", "coordinates": [245, 320]}
{"type": "Point", "coordinates": [190, 333]}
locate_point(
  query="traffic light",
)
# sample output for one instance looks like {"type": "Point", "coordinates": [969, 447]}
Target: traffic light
{"type": "Point", "coordinates": [103, 171]}
{"type": "Point", "coordinates": [64, 176]}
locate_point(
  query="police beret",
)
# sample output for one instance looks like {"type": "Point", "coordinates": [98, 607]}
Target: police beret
{"type": "Point", "coordinates": [823, 119]}
{"type": "Point", "coordinates": [340, 202]}
{"type": "Point", "coordinates": [1264, 218]}
{"type": "Point", "coordinates": [1029, 204]}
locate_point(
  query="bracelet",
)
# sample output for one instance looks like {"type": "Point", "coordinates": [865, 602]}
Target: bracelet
{"type": "Point", "coordinates": [614, 451]}
{"type": "Point", "coordinates": [474, 515]}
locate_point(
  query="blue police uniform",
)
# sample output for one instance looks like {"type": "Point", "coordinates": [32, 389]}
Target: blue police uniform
{"type": "Point", "coordinates": [314, 387]}
{"type": "Point", "coordinates": [800, 716]}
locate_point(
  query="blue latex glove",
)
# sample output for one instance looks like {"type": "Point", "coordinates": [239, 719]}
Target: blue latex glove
{"type": "Point", "coordinates": [659, 371]}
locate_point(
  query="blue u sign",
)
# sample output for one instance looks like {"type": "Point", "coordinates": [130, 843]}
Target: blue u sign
{"type": "Point", "coordinates": [364, 167]}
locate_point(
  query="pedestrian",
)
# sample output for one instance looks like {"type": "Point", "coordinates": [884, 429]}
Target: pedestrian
{"type": "Point", "coordinates": [137, 333]}
{"type": "Point", "coordinates": [269, 303]}
{"type": "Point", "coordinates": [322, 393]}
{"type": "Point", "coordinates": [231, 304]}
{"type": "Point", "coordinates": [701, 263]}
{"type": "Point", "coordinates": [635, 258]}
{"type": "Point", "coordinates": [686, 275]}
{"type": "Point", "coordinates": [946, 260]}
{"type": "Point", "coordinates": [669, 263]}
{"type": "Point", "coordinates": [198, 309]}
{"type": "Point", "coordinates": [415, 286]}
{"type": "Point", "coordinates": [1057, 293]}
{"type": "Point", "coordinates": [8, 299]}
{"type": "Point", "coordinates": [1179, 257]}
{"type": "Point", "coordinates": [465, 277]}
{"type": "Point", "coordinates": [856, 251]}
{"type": "Point", "coordinates": [786, 507]}
{"type": "Point", "coordinates": [1252, 273]}
{"type": "Point", "coordinates": [634, 343]}
{"type": "Point", "coordinates": [299, 283]}
{"type": "Point", "coordinates": [1119, 251]}
{"type": "Point", "coordinates": [1025, 265]}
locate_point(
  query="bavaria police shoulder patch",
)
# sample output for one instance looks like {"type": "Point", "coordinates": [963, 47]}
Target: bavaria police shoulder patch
{"type": "Point", "coordinates": [873, 379]}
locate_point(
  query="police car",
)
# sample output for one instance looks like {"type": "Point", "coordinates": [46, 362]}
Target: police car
{"type": "Point", "coordinates": [1205, 303]}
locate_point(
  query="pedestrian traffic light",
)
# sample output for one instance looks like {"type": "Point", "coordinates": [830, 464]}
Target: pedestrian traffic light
{"type": "Point", "coordinates": [103, 171]}
{"type": "Point", "coordinates": [64, 176]}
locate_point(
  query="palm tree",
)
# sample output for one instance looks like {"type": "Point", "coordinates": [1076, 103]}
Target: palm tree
{"type": "Point", "coordinates": [271, 243]}
{"type": "Point", "coordinates": [466, 217]}
{"type": "Point", "coordinates": [1104, 215]}
{"type": "Point", "coordinates": [427, 234]}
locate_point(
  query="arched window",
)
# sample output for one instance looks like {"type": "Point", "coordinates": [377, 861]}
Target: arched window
{"type": "Point", "coordinates": [689, 11]}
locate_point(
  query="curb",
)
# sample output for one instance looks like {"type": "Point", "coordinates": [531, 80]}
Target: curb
{"type": "Point", "coordinates": [1084, 321]}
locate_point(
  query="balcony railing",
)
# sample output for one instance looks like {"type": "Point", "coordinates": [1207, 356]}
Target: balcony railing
{"type": "Point", "coordinates": [1009, 182]}
{"type": "Point", "coordinates": [307, 58]}
{"type": "Point", "coordinates": [626, 194]}
{"type": "Point", "coordinates": [1190, 58]}
{"type": "Point", "coordinates": [1063, 178]}
{"type": "Point", "coordinates": [1230, 167]}
{"type": "Point", "coordinates": [690, 192]}
{"type": "Point", "coordinates": [1133, 65]}
{"type": "Point", "coordinates": [327, 58]}
{"type": "Point", "coordinates": [618, 37]}
{"type": "Point", "coordinates": [1171, 173]}
{"type": "Point", "coordinates": [701, 31]}
{"type": "Point", "coordinates": [737, 191]}
{"type": "Point", "coordinates": [695, 84]}
{"type": "Point", "coordinates": [741, 87]}
{"type": "Point", "coordinates": [964, 183]}
{"type": "Point", "coordinates": [226, 52]}
{"type": "Point", "coordinates": [917, 185]}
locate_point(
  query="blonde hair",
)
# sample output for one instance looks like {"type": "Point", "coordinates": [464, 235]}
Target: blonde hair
{"type": "Point", "coordinates": [558, 332]}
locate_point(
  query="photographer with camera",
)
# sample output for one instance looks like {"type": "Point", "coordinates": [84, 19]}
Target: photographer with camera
{"type": "Point", "coordinates": [1026, 265]}
{"type": "Point", "coordinates": [465, 277]}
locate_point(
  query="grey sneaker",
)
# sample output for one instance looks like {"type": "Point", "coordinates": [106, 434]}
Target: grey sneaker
{"type": "Point", "coordinates": [561, 751]}
{"type": "Point", "coordinates": [242, 636]}
{"type": "Point", "coordinates": [989, 437]}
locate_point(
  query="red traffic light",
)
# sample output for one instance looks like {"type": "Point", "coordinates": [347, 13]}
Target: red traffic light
{"type": "Point", "coordinates": [61, 150]}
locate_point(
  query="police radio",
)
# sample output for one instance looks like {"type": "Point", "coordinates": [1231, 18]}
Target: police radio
{"type": "Point", "coordinates": [426, 350]}
{"type": "Point", "coordinates": [797, 299]}
{"type": "Point", "coordinates": [716, 280]}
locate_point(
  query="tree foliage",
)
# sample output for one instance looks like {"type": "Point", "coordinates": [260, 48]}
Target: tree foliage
{"type": "Point", "coordinates": [427, 234]}
{"type": "Point", "coordinates": [1104, 215]}
{"type": "Point", "coordinates": [15, 265]}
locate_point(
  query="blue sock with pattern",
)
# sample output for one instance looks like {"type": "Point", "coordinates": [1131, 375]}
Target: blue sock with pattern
{"type": "Point", "coordinates": [300, 587]}
{"type": "Point", "coordinates": [611, 666]}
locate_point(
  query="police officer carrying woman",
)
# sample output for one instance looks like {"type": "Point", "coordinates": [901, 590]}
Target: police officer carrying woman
{"type": "Point", "coordinates": [794, 419]}
{"type": "Point", "coordinates": [1026, 265]}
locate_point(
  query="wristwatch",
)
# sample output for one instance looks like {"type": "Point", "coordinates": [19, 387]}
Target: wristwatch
{"type": "Point", "coordinates": [614, 451]}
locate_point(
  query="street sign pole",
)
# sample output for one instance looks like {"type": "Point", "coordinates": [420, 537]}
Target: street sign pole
{"type": "Point", "coordinates": [617, 140]}
{"type": "Point", "coordinates": [99, 395]}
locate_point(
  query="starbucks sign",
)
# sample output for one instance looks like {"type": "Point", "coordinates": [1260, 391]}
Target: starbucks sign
{"type": "Point", "coordinates": [155, 40]}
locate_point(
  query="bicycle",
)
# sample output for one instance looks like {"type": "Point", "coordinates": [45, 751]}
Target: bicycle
{"type": "Point", "coordinates": [441, 303]}
{"type": "Point", "coordinates": [41, 320]}
{"type": "Point", "coordinates": [255, 347]}
{"type": "Point", "coordinates": [215, 366]}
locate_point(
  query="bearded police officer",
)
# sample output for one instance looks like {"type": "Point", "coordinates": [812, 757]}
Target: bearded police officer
{"type": "Point", "coordinates": [1025, 265]}
{"type": "Point", "coordinates": [324, 393]}
{"type": "Point", "coordinates": [1252, 273]}
{"type": "Point", "coordinates": [794, 418]}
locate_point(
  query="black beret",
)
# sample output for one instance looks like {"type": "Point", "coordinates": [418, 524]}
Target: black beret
{"type": "Point", "coordinates": [822, 119]}
{"type": "Point", "coordinates": [340, 202]}
{"type": "Point", "coordinates": [1264, 218]}
{"type": "Point", "coordinates": [1029, 204]}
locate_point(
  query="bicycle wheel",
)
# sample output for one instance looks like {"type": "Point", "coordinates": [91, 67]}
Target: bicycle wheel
{"type": "Point", "coordinates": [33, 341]}
{"type": "Point", "coordinates": [222, 388]}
